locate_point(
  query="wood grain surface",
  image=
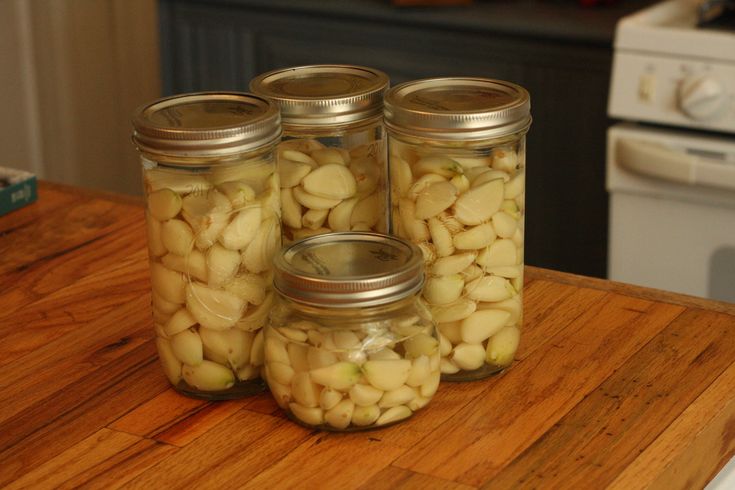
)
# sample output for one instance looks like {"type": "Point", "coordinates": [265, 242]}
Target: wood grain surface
{"type": "Point", "coordinates": [614, 386]}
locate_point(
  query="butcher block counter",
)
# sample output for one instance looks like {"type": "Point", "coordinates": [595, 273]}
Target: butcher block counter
{"type": "Point", "coordinates": [614, 386]}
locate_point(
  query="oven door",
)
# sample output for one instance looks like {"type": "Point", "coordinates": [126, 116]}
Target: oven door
{"type": "Point", "coordinates": [672, 210]}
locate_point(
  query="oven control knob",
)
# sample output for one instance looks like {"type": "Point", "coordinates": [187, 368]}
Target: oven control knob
{"type": "Point", "coordinates": [702, 97]}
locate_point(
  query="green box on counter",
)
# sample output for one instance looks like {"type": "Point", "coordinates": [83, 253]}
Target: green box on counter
{"type": "Point", "coordinates": [17, 189]}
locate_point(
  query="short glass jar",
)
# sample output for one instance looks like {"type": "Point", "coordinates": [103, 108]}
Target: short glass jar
{"type": "Point", "coordinates": [332, 158]}
{"type": "Point", "coordinates": [349, 345]}
{"type": "Point", "coordinates": [457, 163]}
{"type": "Point", "coordinates": [213, 221]}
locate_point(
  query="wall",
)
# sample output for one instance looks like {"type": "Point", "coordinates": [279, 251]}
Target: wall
{"type": "Point", "coordinates": [79, 69]}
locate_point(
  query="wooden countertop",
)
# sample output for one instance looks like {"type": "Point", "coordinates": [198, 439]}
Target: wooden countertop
{"type": "Point", "coordinates": [613, 386]}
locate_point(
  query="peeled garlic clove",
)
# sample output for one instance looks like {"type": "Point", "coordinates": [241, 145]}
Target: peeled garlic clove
{"type": "Point", "coordinates": [170, 364]}
{"type": "Point", "coordinates": [179, 322]}
{"type": "Point", "coordinates": [232, 344]}
{"type": "Point", "coordinates": [436, 164]}
{"type": "Point", "coordinates": [475, 238]}
{"type": "Point", "coordinates": [248, 372]}
{"type": "Point", "coordinates": [252, 173]}
{"type": "Point", "coordinates": [504, 224]}
{"type": "Point", "coordinates": [242, 229]}
{"type": "Point", "coordinates": [505, 160]}
{"type": "Point", "coordinates": [339, 376]}
{"type": "Point", "coordinates": [507, 271]}
{"type": "Point", "coordinates": [239, 193]}
{"type": "Point", "coordinates": [208, 376]}
{"type": "Point", "coordinates": [459, 310]}
{"type": "Point", "coordinates": [384, 354]}
{"type": "Point", "coordinates": [422, 183]}
{"type": "Point", "coordinates": [367, 175]}
{"type": "Point", "coordinates": [281, 393]}
{"type": "Point", "coordinates": [340, 415]}
{"type": "Point", "coordinates": [513, 305]}
{"type": "Point", "coordinates": [445, 346]}
{"type": "Point", "coordinates": [471, 273]}
{"type": "Point", "coordinates": [452, 331]}
{"type": "Point", "coordinates": [340, 215]}
{"type": "Point", "coordinates": [256, 318]}
{"type": "Point", "coordinates": [447, 367]}
{"type": "Point", "coordinates": [454, 264]}
{"type": "Point", "coordinates": [164, 204]}
{"type": "Point", "coordinates": [328, 156]}
{"type": "Point", "coordinates": [162, 305]}
{"type": "Point", "coordinates": [468, 356]}
{"type": "Point", "coordinates": [308, 415]}
{"type": "Point", "coordinates": [207, 215]}
{"type": "Point", "coordinates": [441, 238]}
{"type": "Point", "coordinates": [293, 334]}
{"type": "Point", "coordinates": [314, 218]}
{"type": "Point", "coordinates": [329, 398]}
{"type": "Point", "coordinates": [483, 324]}
{"type": "Point", "coordinates": [290, 209]}
{"type": "Point", "coordinates": [420, 345]}
{"type": "Point", "coordinates": [153, 230]}
{"type": "Point", "coordinates": [368, 211]}
{"type": "Point", "coordinates": [177, 236]}
{"type": "Point", "coordinates": [461, 183]}
{"type": "Point", "coordinates": [401, 176]}
{"type": "Point", "coordinates": [450, 223]}
{"type": "Point", "coordinates": [442, 290]}
{"type": "Point", "coordinates": [418, 403]}
{"type": "Point", "coordinates": [502, 346]}
{"type": "Point", "coordinates": [298, 156]}
{"type": "Point", "coordinates": [388, 374]}
{"type": "Point", "coordinates": [394, 414]}
{"type": "Point", "coordinates": [434, 199]}
{"type": "Point", "coordinates": [415, 229]}
{"type": "Point", "coordinates": [515, 186]}
{"type": "Point", "coordinates": [420, 370]}
{"type": "Point", "coordinates": [319, 358]}
{"type": "Point", "coordinates": [168, 284]}
{"type": "Point", "coordinates": [399, 396]}
{"type": "Point", "coordinates": [222, 265]}
{"type": "Point", "coordinates": [193, 264]}
{"type": "Point", "coordinates": [428, 251]}
{"type": "Point", "coordinates": [489, 288]}
{"type": "Point", "coordinates": [500, 253]}
{"type": "Point", "coordinates": [364, 416]}
{"type": "Point", "coordinates": [312, 201]}
{"type": "Point", "coordinates": [187, 347]}
{"type": "Point", "coordinates": [297, 354]}
{"type": "Point", "coordinates": [331, 181]}
{"type": "Point", "coordinates": [304, 390]}
{"type": "Point", "coordinates": [291, 173]}
{"type": "Point", "coordinates": [479, 203]}
{"type": "Point", "coordinates": [428, 389]}
{"type": "Point", "coordinates": [488, 175]}
{"type": "Point", "coordinates": [511, 207]}
{"type": "Point", "coordinates": [213, 308]}
{"type": "Point", "coordinates": [281, 373]}
{"type": "Point", "coordinates": [275, 350]}
{"type": "Point", "coordinates": [258, 256]}
{"type": "Point", "coordinates": [250, 287]}
{"type": "Point", "coordinates": [365, 395]}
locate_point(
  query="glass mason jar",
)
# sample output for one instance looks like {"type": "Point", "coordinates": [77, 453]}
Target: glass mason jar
{"type": "Point", "coordinates": [332, 157]}
{"type": "Point", "coordinates": [349, 345]}
{"type": "Point", "coordinates": [457, 166]}
{"type": "Point", "coordinates": [213, 220]}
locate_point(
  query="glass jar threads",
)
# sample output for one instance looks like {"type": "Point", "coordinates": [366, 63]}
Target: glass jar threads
{"type": "Point", "coordinates": [332, 158]}
{"type": "Point", "coordinates": [213, 220]}
{"type": "Point", "coordinates": [349, 345]}
{"type": "Point", "coordinates": [457, 163]}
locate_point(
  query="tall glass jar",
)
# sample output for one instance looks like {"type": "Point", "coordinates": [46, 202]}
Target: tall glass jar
{"type": "Point", "coordinates": [213, 218]}
{"type": "Point", "coordinates": [457, 166]}
{"type": "Point", "coordinates": [332, 158]}
{"type": "Point", "coordinates": [350, 345]}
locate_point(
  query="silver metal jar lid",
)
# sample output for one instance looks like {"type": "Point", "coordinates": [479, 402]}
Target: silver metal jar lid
{"type": "Point", "coordinates": [457, 108]}
{"type": "Point", "coordinates": [348, 269]}
{"type": "Point", "coordinates": [323, 95]}
{"type": "Point", "coordinates": [206, 124]}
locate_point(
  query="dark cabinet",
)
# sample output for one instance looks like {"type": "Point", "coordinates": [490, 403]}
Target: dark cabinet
{"type": "Point", "coordinates": [560, 53]}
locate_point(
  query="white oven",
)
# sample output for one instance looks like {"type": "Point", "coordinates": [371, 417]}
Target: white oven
{"type": "Point", "coordinates": [671, 162]}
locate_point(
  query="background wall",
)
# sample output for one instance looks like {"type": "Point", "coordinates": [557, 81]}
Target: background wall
{"type": "Point", "coordinates": [72, 72]}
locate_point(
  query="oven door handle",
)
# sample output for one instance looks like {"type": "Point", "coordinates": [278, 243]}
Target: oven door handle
{"type": "Point", "coordinates": [663, 163]}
